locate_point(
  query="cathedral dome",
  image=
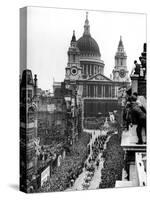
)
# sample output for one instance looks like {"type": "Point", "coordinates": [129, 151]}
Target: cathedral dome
{"type": "Point", "coordinates": [87, 45]}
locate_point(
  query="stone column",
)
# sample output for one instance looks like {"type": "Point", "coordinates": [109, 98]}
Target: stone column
{"type": "Point", "coordinates": [90, 71]}
{"type": "Point", "coordinates": [87, 94]}
{"type": "Point", "coordinates": [87, 70]}
{"type": "Point", "coordinates": [110, 91]}
{"type": "Point", "coordinates": [93, 69]}
{"type": "Point", "coordinates": [96, 90]}
{"type": "Point", "coordinates": [103, 90]}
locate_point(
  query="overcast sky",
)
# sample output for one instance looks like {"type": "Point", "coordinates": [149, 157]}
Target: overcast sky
{"type": "Point", "coordinates": [50, 31]}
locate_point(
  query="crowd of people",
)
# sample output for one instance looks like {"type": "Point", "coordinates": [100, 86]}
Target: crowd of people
{"type": "Point", "coordinates": [96, 153]}
{"type": "Point", "coordinates": [113, 164]}
{"type": "Point", "coordinates": [94, 159]}
{"type": "Point", "coordinates": [94, 123]}
{"type": "Point", "coordinates": [71, 167]}
{"type": "Point", "coordinates": [135, 113]}
{"type": "Point", "coordinates": [98, 146]}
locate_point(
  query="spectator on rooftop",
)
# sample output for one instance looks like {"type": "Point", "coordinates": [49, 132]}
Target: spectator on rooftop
{"type": "Point", "coordinates": [138, 117]}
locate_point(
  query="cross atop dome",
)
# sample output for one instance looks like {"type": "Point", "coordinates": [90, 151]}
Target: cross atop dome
{"type": "Point", "coordinates": [86, 26]}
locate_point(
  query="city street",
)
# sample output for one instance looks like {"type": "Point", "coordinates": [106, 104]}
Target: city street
{"type": "Point", "coordinates": [94, 183]}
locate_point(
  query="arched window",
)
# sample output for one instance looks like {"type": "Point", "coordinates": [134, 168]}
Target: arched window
{"type": "Point", "coordinates": [73, 58]}
{"type": "Point", "coordinates": [121, 62]}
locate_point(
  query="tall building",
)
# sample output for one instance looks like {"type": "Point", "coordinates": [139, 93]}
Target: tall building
{"type": "Point", "coordinates": [28, 129]}
{"type": "Point", "coordinates": [120, 72]}
{"type": "Point", "coordinates": [85, 74]}
{"type": "Point", "coordinates": [84, 58]}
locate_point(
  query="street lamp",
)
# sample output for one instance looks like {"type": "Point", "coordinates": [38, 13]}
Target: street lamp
{"type": "Point", "coordinates": [68, 99]}
{"type": "Point", "coordinates": [72, 108]}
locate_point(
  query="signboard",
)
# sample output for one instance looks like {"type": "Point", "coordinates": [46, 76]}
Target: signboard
{"type": "Point", "coordinates": [45, 175]}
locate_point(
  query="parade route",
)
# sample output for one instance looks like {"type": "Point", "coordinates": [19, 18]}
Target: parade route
{"type": "Point", "coordinates": [94, 183]}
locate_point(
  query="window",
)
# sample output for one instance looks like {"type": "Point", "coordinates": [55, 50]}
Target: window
{"type": "Point", "coordinates": [29, 93]}
{"type": "Point", "coordinates": [73, 58]}
{"type": "Point", "coordinates": [121, 62]}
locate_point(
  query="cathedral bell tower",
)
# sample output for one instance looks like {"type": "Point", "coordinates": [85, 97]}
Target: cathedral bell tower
{"type": "Point", "coordinates": [73, 69]}
{"type": "Point", "coordinates": [120, 72]}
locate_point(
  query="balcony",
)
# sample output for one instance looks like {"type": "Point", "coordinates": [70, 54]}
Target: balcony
{"type": "Point", "coordinates": [134, 173]}
{"type": "Point", "coordinates": [129, 140]}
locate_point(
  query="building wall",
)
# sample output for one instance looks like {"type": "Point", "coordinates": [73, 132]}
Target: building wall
{"type": "Point", "coordinates": [51, 116]}
{"type": "Point", "coordinates": [93, 106]}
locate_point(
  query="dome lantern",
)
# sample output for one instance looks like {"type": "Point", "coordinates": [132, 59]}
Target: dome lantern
{"type": "Point", "coordinates": [86, 26]}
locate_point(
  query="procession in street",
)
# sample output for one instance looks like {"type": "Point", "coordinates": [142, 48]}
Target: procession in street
{"type": "Point", "coordinates": [82, 113]}
{"type": "Point", "coordinates": [90, 177]}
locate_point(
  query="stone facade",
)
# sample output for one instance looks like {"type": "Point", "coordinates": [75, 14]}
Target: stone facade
{"type": "Point", "coordinates": [28, 129]}
{"type": "Point", "coordinates": [85, 69]}
{"type": "Point", "coordinates": [120, 72]}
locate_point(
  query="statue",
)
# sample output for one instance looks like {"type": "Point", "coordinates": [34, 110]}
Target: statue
{"type": "Point", "coordinates": [143, 64]}
{"type": "Point", "coordinates": [137, 68]}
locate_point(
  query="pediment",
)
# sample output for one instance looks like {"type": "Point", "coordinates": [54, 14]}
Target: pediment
{"type": "Point", "coordinates": [99, 77]}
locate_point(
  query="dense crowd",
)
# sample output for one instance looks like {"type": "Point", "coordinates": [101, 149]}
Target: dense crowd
{"type": "Point", "coordinates": [86, 156]}
{"type": "Point", "coordinates": [113, 164]}
{"type": "Point", "coordinates": [70, 168]}
{"type": "Point", "coordinates": [93, 160]}
{"type": "Point", "coordinates": [97, 147]}
{"type": "Point", "coordinates": [94, 123]}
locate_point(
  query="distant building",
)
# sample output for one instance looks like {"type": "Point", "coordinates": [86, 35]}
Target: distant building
{"type": "Point", "coordinates": [120, 72]}
{"type": "Point", "coordinates": [85, 74]}
{"type": "Point", "coordinates": [51, 114]}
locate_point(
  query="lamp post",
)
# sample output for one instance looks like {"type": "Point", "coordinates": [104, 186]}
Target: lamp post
{"type": "Point", "coordinates": [72, 107]}
{"type": "Point", "coordinates": [68, 99]}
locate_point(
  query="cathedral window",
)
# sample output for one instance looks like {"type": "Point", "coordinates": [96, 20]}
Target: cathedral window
{"type": "Point", "coordinates": [117, 62]}
{"type": "Point", "coordinates": [73, 58]}
{"type": "Point", "coordinates": [121, 62]}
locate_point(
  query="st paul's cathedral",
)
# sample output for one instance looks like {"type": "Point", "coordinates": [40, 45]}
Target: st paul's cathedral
{"type": "Point", "coordinates": [85, 74]}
